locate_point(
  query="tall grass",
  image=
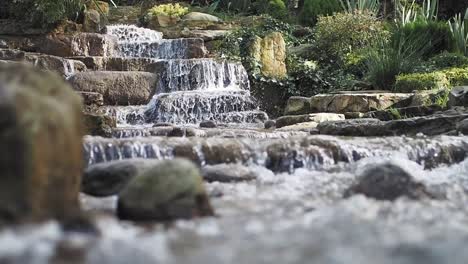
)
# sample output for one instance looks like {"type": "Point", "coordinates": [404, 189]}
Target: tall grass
{"type": "Point", "coordinates": [351, 6]}
{"type": "Point", "coordinates": [459, 29]}
{"type": "Point", "coordinates": [408, 13]}
{"type": "Point", "coordinates": [398, 55]}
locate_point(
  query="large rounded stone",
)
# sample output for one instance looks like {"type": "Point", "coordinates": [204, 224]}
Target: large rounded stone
{"type": "Point", "coordinates": [41, 137]}
{"type": "Point", "coordinates": [388, 181]}
{"type": "Point", "coordinates": [170, 190]}
{"type": "Point", "coordinates": [106, 179]}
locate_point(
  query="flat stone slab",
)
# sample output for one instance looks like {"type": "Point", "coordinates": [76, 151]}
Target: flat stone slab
{"type": "Point", "coordinates": [117, 63]}
{"type": "Point", "coordinates": [437, 124]}
{"type": "Point", "coordinates": [356, 102]}
{"type": "Point", "coordinates": [65, 67]}
{"type": "Point", "coordinates": [316, 118]}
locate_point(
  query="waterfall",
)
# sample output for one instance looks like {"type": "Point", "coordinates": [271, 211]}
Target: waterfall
{"type": "Point", "coordinates": [131, 33]}
{"type": "Point", "coordinates": [195, 106]}
{"type": "Point", "coordinates": [200, 74]}
{"type": "Point", "coordinates": [189, 89]}
{"type": "Point", "coordinates": [125, 115]}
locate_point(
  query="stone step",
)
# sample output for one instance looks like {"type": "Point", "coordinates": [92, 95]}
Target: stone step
{"type": "Point", "coordinates": [316, 118]}
{"type": "Point", "coordinates": [194, 107]}
{"type": "Point", "coordinates": [65, 67]}
{"type": "Point", "coordinates": [199, 74]}
{"type": "Point", "coordinates": [117, 63]}
{"type": "Point", "coordinates": [344, 102]}
{"type": "Point", "coordinates": [118, 88]}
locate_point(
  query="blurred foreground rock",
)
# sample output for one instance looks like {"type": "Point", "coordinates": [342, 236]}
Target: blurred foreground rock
{"type": "Point", "coordinates": [41, 137]}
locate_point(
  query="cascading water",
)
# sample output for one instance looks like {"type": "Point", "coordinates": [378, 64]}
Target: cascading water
{"type": "Point", "coordinates": [189, 90]}
{"type": "Point", "coordinates": [131, 33]}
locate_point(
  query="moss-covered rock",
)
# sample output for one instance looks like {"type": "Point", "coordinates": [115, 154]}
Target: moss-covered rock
{"type": "Point", "coordinates": [41, 137]}
{"type": "Point", "coordinates": [169, 190]}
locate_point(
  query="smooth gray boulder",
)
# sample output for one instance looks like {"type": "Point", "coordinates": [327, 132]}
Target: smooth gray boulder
{"type": "Point", "coordinates": [388, 181]}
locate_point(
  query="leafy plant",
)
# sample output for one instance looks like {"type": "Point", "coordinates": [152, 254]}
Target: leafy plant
{"type": "Point", "coordinates": [46, 12]}
{"type": "Point", "coordinates": [412, 12]}
{"type": "Point", "coordinates": [435, 33]}
{"type": "Point", "coordinates": [172, 10]}
{"type": "Point", "coordinates": [459, 29]}
{"type": "Point", "coordinates": [351, 6]}
{"type": "Point", "coordinates": [312, 9]}
{"type": "Point", "coordinates": [421, 81]}
{"type": "Point", "coordinates": [344, 33]}
{"type": "Point", "coordinates": [393, 57]}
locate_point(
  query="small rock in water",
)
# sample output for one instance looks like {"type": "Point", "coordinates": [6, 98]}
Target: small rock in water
{"type": "Point", "coordinates": [162, 125]}
{"type": "Point", "coordinates": [270, 124]}
{"type": "Point", "coordinates": [228, 173]}
{"type": "Point", "coordinates": [106, 179]}
{"type": "Point", "coordinates": [170, 190]}
{"type": "Point", "coordinates": [99, 124]}
{"type": "Point", "coordinates": [462, 127]}
{"type": "Point", "coordinates": [458, 96]}
{"type": "Point", "coordinates": [177, 132]}
{"type": "Point", "coordinates": [388, 181]}
{"type": "Point", "coordinates": [3, 44]}
{"type": "Point", "coordinates": [208, 124]}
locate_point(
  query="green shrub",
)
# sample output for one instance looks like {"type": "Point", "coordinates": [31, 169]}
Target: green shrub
{"type": "Point", "coordinates": [274, 8]}
{"type": "Point", "coordinates": [407, 83]}
{"type": "Point", "coordinates": [435, 33]}
{"type": "Point", "coordinates": [238, 6]}
{"type": "Point", "coordinates": [402, 53]}
{"type": "Point", "coordinates": [344, 33]}
{"type": "Point", "coordinates": [46, 12]}
{"type": "Point", "coordinates": [312, 9]}
{"type": "Point", "coordinates": [457, 76]}
{"type": "Point", "coordinates": [448, 60]}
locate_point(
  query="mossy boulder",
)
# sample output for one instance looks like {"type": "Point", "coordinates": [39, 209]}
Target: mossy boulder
{"type": "Point", "coordinates": [41, 136]}
{"type": "Point", "coordinates": [170, 190]}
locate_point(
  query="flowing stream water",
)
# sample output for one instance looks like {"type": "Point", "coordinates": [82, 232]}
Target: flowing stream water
{"type": "Point", "coordinates": [293, 212]}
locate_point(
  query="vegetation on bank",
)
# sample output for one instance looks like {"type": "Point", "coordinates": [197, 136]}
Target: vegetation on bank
{"type": "Point", "coordinates": [399, 45]}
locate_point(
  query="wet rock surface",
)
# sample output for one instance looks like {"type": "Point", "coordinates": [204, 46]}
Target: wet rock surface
{"type": "Point", "coordinates": [388, 181]}
{"type": "Point", "coordinates": [107, 179]}
{"type": "Point", "coordinates": [118, 88]}
{"type": "Point", "coordinates": [167, 191]}
{"type": "Point", "coordinates": [228, 173]}
{"type": "Point", "coordinates": [436, 124]}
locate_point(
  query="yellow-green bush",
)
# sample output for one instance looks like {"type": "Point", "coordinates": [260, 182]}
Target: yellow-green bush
{"type": "Point", "coordinates": [433, 80]}
{"type": "Point", "coordinates": [407, 83]}
{"type": "Point", "coordinates": [172, 10]}
{"type": "Point", "coordinates": [457, 76]}
{"type": "Point", "coordinates": [344, 33]}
